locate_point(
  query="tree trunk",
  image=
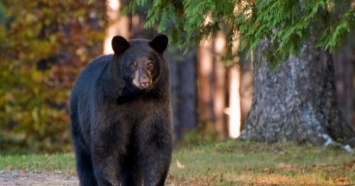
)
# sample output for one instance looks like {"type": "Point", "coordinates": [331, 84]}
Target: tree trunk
{"type": "Point", "coordinates": [234, 119]}
{"type": "Point", "coordinates": [183, 90]}
{"type": "Point", "coordinates": [219, 86]}
{"type": "Point", "coordinates": [296, 101]}
{"type": "Point", "coordinates": [118, 24]}
{"type": "Point", "coordinates": [204, 82]}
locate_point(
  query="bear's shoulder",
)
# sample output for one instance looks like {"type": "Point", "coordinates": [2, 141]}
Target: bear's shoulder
{"type": "Point", "coordinates": [96, 66]}
{"type": "Point", "coordinates": [92, 72]}
{"type": "Point", "coordinates": [100, 61]}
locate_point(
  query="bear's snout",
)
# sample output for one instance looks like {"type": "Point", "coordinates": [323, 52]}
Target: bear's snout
{"type": "Point", "coordinates": [142, 80]}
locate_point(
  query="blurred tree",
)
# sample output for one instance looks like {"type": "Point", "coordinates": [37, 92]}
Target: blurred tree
{"type": "Point", "coordinates": [117, 24]}
{"type": "Point", "coordinates": [219, 85]}
{"type": "Point", "coordinates": [44, 45]}
{"type": "Point", "coordinates": [344, 70]}
{"type": "Point", "coordinates": [294, 95]}
{"type": "Point", "coordinates": [344, 62]}
{"type": "Point", "coordinates": [183, 90]}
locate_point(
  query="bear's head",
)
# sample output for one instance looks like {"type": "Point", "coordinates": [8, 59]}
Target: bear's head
{"type": "Point", "coordinates": [140, 60]}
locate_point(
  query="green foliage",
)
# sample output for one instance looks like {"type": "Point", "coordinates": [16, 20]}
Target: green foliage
{"type": "Point", "coordinates": [285, 25]}
{"type": "Point", "coordinates": [43, 43]}
{"type": "Point", "coordinates": [186, 22]}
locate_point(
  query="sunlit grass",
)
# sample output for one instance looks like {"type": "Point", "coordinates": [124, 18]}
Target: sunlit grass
{"type": "Point", "coordinates": [247, 163]}
{"type": "Point", "coordinates": [227, 163]}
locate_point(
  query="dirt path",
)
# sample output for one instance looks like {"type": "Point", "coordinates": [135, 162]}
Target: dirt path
{"type": "Point", "coordinates": [36, 179]}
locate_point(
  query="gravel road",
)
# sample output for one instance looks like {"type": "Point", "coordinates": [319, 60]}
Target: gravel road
{"type": "Point", "coordinates": [36, 179]}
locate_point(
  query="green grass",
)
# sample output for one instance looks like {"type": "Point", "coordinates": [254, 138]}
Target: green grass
{"type": "Point", "coordinates": [56, 163]}
{"type": "Point", "coordinates": [248, 163]}
{"type": "Point", "coordinates": [228, 163]}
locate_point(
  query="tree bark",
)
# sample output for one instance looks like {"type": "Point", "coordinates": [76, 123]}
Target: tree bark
{"type": "Point", "coordinates": [296, 101]}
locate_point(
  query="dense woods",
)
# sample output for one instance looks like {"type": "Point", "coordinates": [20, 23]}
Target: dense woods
{"type": "Point", "coordinates": [44, 46]}
{"type": "Point", "coordinates": [301, 82]}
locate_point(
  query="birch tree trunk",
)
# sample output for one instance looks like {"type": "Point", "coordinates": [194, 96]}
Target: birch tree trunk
{"type": "Point", "coordinates": [296, 101]}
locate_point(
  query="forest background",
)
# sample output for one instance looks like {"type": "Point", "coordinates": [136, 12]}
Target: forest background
{"type": "Point", "coordinates": [45, 44]}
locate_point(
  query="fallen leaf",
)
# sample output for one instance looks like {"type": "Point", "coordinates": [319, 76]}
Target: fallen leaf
{"type": "Point", "coordinates": [350, 164]}
{"type": "Point", "coordinates": [269, 170]}
{"type": "Point", "coordinates": [171, 177]}
{"type": "Point", "coordinates": [180, 165]}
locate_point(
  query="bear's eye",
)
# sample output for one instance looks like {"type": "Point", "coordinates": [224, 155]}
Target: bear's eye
{"type": "Point", "coordinates": [150, 65]}
{"type": "Point", "coordinates": [134, 64]}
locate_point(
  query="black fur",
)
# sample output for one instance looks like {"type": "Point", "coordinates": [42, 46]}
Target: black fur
{"type": "Point", "coordinates": [123, 132]}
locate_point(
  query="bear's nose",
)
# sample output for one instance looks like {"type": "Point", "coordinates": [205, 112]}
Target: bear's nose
{"type": "Point", "coordinates": [144, 85]}
{"type": "Point", "coordinates": [144, 82]}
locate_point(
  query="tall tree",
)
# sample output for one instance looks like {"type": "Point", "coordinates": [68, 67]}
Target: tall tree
{"type": "Point", "coordinates": [299, 93]}
{"type": "Point", "coordinates": [297, 101]}
{"type": "Point", "coordinates": [291, 41]}
{"type": "Point", "coordinates": [219, 94]}
{"type": "Point", "coordinates": [117, 24]}
{"type": "Point", "coordinates": [204, 73]}
{"type": "Point", "coordinates": [183, 89]}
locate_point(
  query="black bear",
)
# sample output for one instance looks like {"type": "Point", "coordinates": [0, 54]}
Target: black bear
{"type": "Point", "coordinates": [122, 117]}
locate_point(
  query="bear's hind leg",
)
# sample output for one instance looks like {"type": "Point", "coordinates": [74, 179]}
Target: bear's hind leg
{"type": "Point", "coordinates": [131, 176]}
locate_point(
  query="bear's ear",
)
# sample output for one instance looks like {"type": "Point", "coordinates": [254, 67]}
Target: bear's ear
{"type": "Point", "coordinates": [159, 43]}
{"type": "Point", "coordinates": [119, 45]}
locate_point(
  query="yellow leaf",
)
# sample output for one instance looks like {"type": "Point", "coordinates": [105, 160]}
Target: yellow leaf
{"type": "Point", "coordinates": [180, 165]}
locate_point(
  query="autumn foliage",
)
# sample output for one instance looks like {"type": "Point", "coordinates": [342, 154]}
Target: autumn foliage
{"type": "Point", "coordinates": [44, 45]}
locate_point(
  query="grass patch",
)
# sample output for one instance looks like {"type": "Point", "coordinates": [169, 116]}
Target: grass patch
{"type": "Point", "coordinates": [55, 163]}
{"type": "Point", "coordinates": [227, 163]}
{"type": "Point", "coordinates": [250, 163]}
